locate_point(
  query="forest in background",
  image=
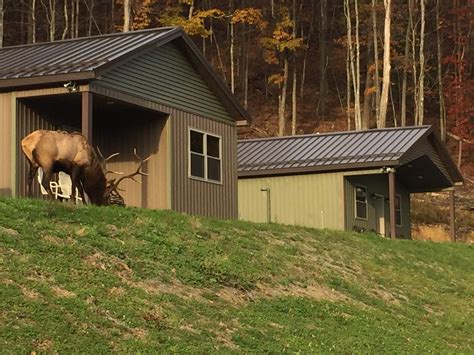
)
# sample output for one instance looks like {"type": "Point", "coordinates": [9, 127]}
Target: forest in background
{"type": "Point", "coordinates": [300, 66]}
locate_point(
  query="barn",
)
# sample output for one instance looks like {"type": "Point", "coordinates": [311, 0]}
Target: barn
{"type": "Point", "coordinates": [358, 180]}
{"type": "Point", "coordinates": [151, 90]}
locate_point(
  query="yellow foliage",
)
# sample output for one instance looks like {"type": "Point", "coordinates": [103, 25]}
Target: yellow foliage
{"type": "Point", "coordinates": [250, 16]}
{"type": "Point", "coordinates": [276, 79]}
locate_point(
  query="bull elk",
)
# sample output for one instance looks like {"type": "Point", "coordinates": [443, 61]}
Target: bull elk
{"type": "Point", "coordinates": [55, 151]}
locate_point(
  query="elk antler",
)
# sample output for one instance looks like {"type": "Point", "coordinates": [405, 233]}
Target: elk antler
{"type": "Point", "coordinates": [136, 172]}
{"type": "Point", "coordinates": [103, 162]}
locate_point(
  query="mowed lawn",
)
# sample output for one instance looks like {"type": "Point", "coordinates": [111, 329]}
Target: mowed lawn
{"type": "Point", "coordinates": [95, 280]}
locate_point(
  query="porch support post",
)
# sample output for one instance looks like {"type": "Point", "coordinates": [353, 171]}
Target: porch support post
{"type": "Point", "coordinates": [391, 197]}
{"type": "Point", "coordinates": [452, 215]}
{"type": "Point", "coordinates": [87, 115]}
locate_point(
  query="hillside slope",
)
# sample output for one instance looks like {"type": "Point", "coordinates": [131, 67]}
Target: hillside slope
{"type": "Point", "coordinates": [122, 279]}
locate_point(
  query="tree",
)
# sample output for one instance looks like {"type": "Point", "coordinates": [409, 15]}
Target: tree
{"type": "Point", "coordinates": [127, 9]}
{"type": "Point", "coordinates": [382, 119]}
{"type": "Point", "coordinates": [278, 49]}
{"type": "Point", "coordinates": [1, 23]}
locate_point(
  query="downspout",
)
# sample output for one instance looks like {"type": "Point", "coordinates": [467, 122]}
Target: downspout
{"type": "Point", "coordinates": [269, 212]}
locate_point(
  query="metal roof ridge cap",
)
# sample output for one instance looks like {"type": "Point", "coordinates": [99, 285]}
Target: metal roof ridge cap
{"type": "Point", "coordinates": [157, 29]}
{"type": "Point", "coordinates": [333, 133]}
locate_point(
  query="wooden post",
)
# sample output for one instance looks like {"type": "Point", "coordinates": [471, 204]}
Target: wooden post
{"type": "Point", "coordinates": [391, 197]}
{"type": "Point", "coordinates": [452, 215]}
{"type": "Point", "coordinates": [87, 115]}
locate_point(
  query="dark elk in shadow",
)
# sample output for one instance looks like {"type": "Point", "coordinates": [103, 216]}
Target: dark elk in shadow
{"type": "Point", "coordinates": [55, 151]}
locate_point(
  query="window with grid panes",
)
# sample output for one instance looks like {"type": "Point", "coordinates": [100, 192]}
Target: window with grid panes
{"type": "Point", "coordinates": [205, 156]}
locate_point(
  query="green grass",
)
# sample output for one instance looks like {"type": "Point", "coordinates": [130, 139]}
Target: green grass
{"type": "Point", "coordinates": [95, 280]}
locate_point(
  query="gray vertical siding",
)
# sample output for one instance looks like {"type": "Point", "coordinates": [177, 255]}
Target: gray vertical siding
{"type": "Point", "coordinates": [166, 76]}
{"type": "Point", "coordinates": [377, 184]}
{"type": "Point", "coordinates": [200, 197]}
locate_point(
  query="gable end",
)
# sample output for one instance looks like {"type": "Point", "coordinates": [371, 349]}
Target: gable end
{"type": "Point", "coordinates": [166, 76]}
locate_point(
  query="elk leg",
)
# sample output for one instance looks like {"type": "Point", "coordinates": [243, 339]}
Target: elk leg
{"type": "Point", "coordinates": [31, 175]}
{"type": "Point", "coordinates": [47, 176]}
{"type": "Point", "coordinates": [76, 172]}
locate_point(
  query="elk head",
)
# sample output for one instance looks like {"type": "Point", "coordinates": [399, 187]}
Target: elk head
{"type": "Point", "coordinates": [111, 195]}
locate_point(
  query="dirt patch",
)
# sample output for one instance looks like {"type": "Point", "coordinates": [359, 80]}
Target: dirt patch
{"type": "Point", "coordinates": [385, 296]}
{"type": "Point", "coordinates": [224, 335]}
{"type": "Point", "coordinates": [96, 260]}
{"type": "Point", "coordinates": [314, 291]}
{"type": "Point", "coordinates": [9, 232]}
{"type": "Point", "coordinates": [175, 288]}
{"type": "Point", "coordinates": [233, 296]}
{"type": "Point", "coordinates": [117, 291]}
{"type": "Point", "coordinates": [30, 294]}
{"type": "Point", "coordinates": [62, 293]}
{"type": "Point", "coordinates": [42, 345]}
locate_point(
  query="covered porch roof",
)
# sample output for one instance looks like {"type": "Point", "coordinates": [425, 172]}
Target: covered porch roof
{"type": "Point", "coordinates": [421, 161]}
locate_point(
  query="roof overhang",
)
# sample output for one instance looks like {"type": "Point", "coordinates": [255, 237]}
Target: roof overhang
{"type": "Point", "coordinates": [316, 169]}
{"type": "Point", "coordinates": [47, 80]}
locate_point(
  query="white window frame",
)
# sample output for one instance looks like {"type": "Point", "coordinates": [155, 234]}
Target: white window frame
{"type": "Point", "coordinates": [400, 209]}
{"type": "Point", "coordinates": [366, 202]}
{"type": "Point", "coordinates": [204, 154]}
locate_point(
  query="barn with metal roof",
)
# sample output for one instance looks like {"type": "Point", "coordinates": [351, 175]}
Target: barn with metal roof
{"type": "Point", "coordinates": [152, 90]}
{"type": "Point", "coordinates": [346, 180]}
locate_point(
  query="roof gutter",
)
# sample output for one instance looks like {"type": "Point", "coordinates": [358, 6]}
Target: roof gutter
{"type": "Point", "coordinates": [317, 169]}
{"type": "Point", "coordinates": [48, 79]}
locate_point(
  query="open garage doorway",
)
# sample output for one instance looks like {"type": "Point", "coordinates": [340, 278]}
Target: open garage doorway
{"type": "Point", "coordinates": [117, 126]}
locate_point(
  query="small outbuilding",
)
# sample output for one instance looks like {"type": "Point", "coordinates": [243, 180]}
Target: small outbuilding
{"type": "Point", "coordinates": [152, 90]}
{"type": "Point", "coordinates": [358, 180]}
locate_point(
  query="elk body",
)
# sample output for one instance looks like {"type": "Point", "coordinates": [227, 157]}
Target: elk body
{"type": "Point", "coordinates": [55, 151]}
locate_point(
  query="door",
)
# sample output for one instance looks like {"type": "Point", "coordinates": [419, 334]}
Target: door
{"type": "Point", "coordinates": [380, 214]}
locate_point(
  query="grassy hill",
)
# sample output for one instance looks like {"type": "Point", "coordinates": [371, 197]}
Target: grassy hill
{"type": "Point", "coordinates": [121, 279]}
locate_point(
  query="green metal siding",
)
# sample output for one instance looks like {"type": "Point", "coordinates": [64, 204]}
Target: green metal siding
{"type": "Point", "coordinates": [375, 184]}
{"type": "Point", "coordinates": [314, 200]}
{"type": "Point", "coordinates": [166, 76]}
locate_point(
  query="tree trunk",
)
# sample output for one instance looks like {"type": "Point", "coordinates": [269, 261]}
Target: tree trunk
{"type": "Point", "coordinates": [386, 66]}
{"type": "Point", "coordinates": [91, 17]}
{"type": "Point", "coordinates": [305, 58]}
{"type": "Point", "coordinates": [282, 99]}
{"type": "Point", "coordinates": [368, 94]}
{"type": "Point", "coordinates": [403, 109]}
{"type": "Point", "coordinates": [191, 10]}
{"type": "Point", "coordinates": [293, 99]}
{"type": "Point", "coordinates": [31, 38]}
{"type": "Point", "coordinates": [321, 109]}
{"type": "Point", "coordinates": [127, 9]}
{"type": "Point", "coordinates": [411, 10]}
{"type": "Point", "coordinates": [348, 88]}
{"type": "Point", "coordinates": [442, 107]}
{"type": "Point", "coordinates": [421, 91]}
{"type": "Point", "coordinates": [1, 23]}
{"type": "Point", "coordinates": [112, 16]}
{"type": "Point", "coordinates": [231, 49]}
{"type": "Point", "coordinates": [293, 93]}
{"type": "Point", "coordinates": [66, 21]}
{"type": "Point", "coordinates": [376, 60]}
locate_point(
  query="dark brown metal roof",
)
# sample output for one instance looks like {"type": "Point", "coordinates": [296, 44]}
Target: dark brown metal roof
{"type": "Point", "coordinates": [329, 151]}
{"type": "Point", "coordinates": [89, 57]}
{"type": "Point", "coordinates": [73, 56]}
